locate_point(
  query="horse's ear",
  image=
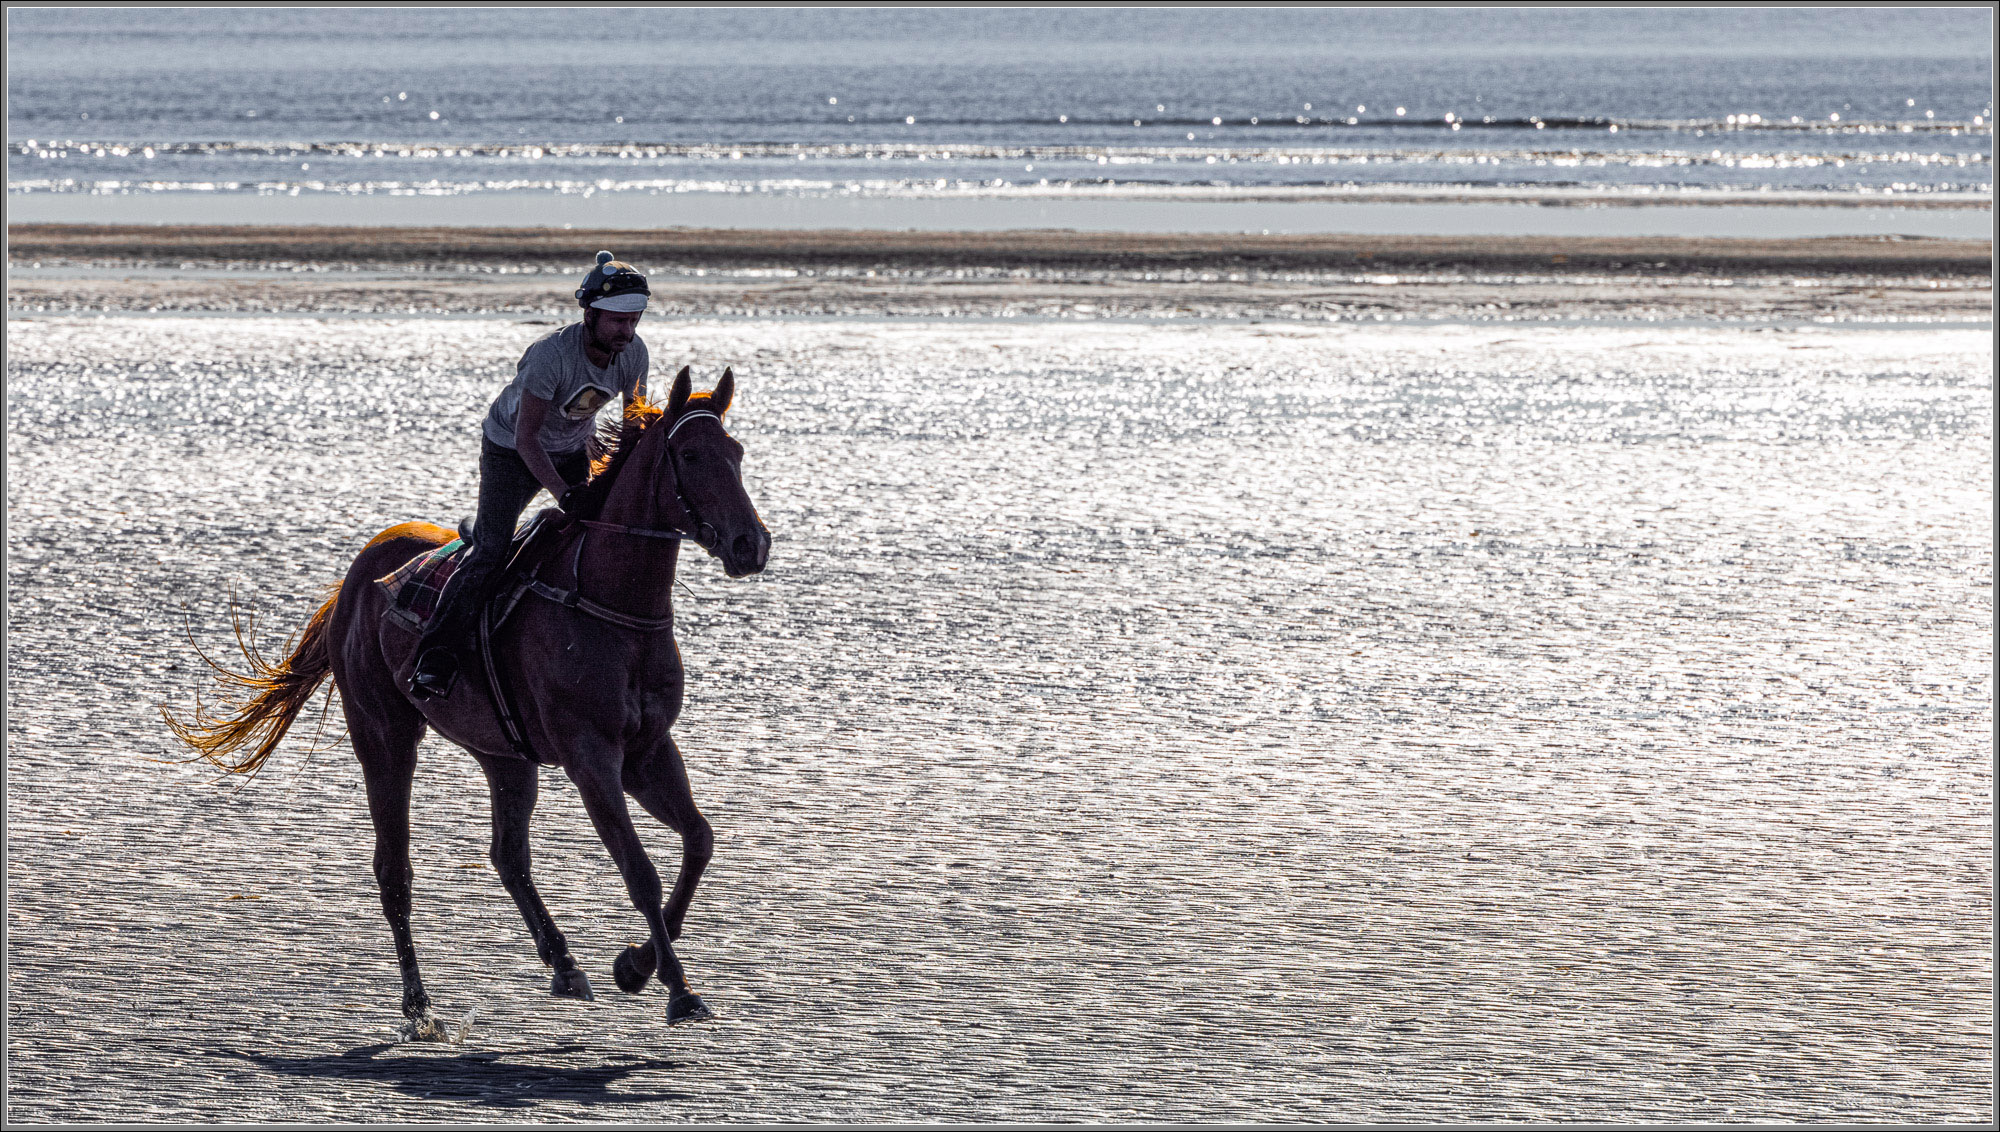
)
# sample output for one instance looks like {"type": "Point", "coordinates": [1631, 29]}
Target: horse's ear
{"type": "Point", "coordinates": [683, 389]}
{"type": "Point", "coordinates": [724, 390]}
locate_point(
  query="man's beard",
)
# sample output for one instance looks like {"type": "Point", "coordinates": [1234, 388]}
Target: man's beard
{"type": "Point", "coordinates": [598, 343]}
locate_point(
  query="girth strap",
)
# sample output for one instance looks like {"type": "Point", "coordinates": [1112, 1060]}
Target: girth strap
{"type": "Point", "coordinates": [503, 705]}
{"type": "Point", "coordinates": [570, 599]}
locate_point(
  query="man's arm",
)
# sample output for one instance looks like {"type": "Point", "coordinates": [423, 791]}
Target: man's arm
{"type": "Point", "coordinates": [528, 442]}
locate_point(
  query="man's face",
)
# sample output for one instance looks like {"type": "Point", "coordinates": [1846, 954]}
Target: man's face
{"type": "Point", "coordinates": [612, 331]}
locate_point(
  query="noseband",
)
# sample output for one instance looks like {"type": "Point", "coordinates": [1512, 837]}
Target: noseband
{"type": "Point", "coordinates": [655, 532]}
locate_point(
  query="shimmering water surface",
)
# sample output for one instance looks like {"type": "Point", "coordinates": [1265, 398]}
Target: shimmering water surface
{"type": "Point", "coordinates": [1136, 722]}
{"type": "Point", "coordinates": [1831, 103]}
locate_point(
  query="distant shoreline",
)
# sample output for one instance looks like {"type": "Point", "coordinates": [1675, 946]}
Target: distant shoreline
{"type": "Point", "coordinates": [1465, 211]}
{"type": "Point", "coordinates": [733, 249]}
{"type": "Point", "coordinates": [697, 273]}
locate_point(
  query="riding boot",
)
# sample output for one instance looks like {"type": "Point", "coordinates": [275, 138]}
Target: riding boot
{"type": "Point", "coordinates": [437, 652]}
{"type": "Point", "coordinates": [437, 664]}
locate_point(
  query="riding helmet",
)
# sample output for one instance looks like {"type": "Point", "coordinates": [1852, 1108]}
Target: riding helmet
{"type": "Point", "coordinates": [613, 286]}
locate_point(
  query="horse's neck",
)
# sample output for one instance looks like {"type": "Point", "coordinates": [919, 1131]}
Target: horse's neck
{"type": "Point", "coordinates": [631, 573]}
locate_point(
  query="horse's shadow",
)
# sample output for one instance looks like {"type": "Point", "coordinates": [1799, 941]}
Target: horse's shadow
{"type": "Point", "coordinates": [509, 1080]}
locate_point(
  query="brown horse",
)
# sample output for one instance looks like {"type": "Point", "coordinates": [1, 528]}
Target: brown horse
{"type": "Point", "coordinates": [590, 664]}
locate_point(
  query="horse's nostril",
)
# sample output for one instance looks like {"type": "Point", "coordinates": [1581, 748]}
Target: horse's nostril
{"type": "Point", "coordinates": [743, 547]}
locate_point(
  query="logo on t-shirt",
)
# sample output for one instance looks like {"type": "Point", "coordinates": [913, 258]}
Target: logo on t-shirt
{"type": "Point", "coordinates": [585, 404]}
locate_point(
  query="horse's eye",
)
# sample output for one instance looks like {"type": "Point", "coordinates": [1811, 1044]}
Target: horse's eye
{"type": "Point", "coordinates": [688, 457]}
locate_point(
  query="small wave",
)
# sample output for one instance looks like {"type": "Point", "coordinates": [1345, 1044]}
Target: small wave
{"type": "Point", "coordinates": [1572, 192]}
{"type": "Point", "coordinates": [961, 151]}
{"type": "Point", "coordinates": [1454, 122]}
{"type": "Point", "coordinates": [1747, 122]}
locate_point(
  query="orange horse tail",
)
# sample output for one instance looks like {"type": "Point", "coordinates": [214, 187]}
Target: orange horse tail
{"type": "Point", "coordinates": [278, 692]}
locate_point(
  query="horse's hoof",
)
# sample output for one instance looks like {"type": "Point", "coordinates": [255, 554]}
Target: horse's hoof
{"type": "Point", "coordinates": [632, 968]}
{"type": "Point", "coordinates": [425, 1028]}
{"type": "Point", "coordinates": [688, 1008]}
{"type": "Point", "coordinates": [571, 984]}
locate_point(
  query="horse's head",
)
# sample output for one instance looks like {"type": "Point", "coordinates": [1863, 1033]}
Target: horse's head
{"type": "Point", "coordinates": [705, 466]}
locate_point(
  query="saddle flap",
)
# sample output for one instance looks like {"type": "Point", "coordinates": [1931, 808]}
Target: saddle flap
{"type": "Point", "coordinates": [416, 585]}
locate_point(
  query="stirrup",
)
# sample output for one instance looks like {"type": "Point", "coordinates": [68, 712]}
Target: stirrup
{"type": "Point", "coordinates": [435, 674]}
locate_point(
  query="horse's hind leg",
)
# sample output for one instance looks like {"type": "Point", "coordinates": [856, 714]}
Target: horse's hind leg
{"type": "Point", "coordinates": [513, 785]}
{"type": "Point", "coordinates": [387, 748]}
{"type": "Point", "coordinates": [659, 781]}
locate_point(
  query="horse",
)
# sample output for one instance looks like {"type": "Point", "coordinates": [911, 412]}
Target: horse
{"type": "Point", "coordinates": [592, 668]}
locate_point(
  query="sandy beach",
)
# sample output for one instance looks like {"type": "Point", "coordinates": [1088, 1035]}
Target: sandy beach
{"type": "Point", "coordinates": [1138, 722]}
{"type": "Point", "coordinates": [1483, 678]}
{"type": "Point", "coordinates": [696, 272]}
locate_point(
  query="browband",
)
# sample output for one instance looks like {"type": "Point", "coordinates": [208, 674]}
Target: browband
{"type": "Point", "coordinates": [686, 417]}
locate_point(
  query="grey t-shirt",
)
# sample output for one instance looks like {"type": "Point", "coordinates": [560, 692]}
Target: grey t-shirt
{"type": "Point", "coordinates": [556, 370]}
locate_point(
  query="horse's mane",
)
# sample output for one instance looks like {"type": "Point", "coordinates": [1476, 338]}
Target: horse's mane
{"type": "Point", "coordinates": [614, 442]}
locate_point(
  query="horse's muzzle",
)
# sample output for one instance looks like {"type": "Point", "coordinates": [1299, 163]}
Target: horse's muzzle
{"type": "Point", "coordinates": [746, 553]}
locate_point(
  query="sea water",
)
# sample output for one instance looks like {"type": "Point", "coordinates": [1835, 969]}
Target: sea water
{"type": "Point", "coordinates": [1539, 106]}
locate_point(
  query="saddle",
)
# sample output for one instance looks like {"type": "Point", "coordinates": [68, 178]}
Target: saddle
{"type": "Point", "coordinates": [415, 587]}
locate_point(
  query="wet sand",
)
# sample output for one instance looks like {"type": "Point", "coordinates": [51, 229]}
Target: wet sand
{"type": "Point", "coordinates": [748, 248]}
{"type": "Point", "coordinates": [78, 268]}
{"type": "Point", "coordinates": [1467, 723]}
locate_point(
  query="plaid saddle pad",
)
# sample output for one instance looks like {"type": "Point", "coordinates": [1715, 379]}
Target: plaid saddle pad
{"type": "Point", "coordinates": [417, 584]}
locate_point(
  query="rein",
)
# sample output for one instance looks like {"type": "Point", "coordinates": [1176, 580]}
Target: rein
{"type": "Point", "coordinates": [642, 532]}
{"type": "Point", "coordinates": [574, 599]}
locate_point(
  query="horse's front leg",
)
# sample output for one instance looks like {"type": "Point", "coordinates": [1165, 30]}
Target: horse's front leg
{"type": "Point", "coordinates": [598, 775]}
{"type": "Point", "coordinates": [659, 780]}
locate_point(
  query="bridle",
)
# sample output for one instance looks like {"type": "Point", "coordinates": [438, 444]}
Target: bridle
{"type": "Point", "coordinates": [694, 535]}
{"type": "Point", "coordinates": [574, 599]}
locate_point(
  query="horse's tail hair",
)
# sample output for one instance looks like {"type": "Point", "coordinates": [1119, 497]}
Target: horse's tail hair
{"type": "Point", "coordinates": [276, 694]}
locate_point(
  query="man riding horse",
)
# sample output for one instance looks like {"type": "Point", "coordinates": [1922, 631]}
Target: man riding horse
{"type": "Point", "coordinates": [534, 438]}
{"type": "Point", "coordinates": [582, 669]}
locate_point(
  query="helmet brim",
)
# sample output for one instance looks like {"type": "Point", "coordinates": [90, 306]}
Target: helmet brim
{"type": "Point", "coordinates": [624, 304]}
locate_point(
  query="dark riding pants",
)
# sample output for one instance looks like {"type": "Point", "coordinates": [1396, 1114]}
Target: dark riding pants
{"type": "Point", "coordinates": [505, 487]}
